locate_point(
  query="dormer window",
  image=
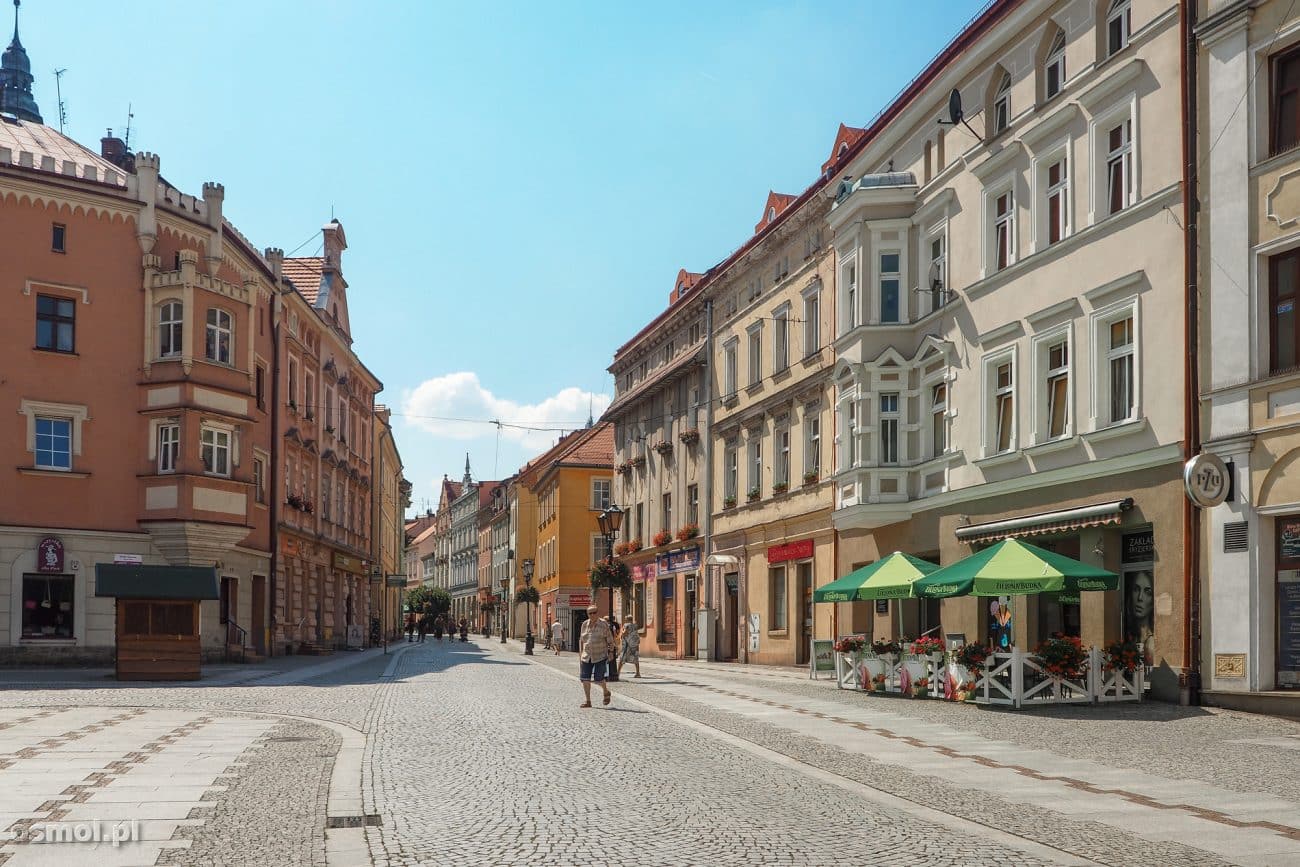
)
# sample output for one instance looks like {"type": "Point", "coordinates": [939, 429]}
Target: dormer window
{"type": "Point", "coordinates": [1002, 104]}
{"type": "Point", "coordinates": [771, 214]}
{"type": "Point", "coordinates": [1054, 69]}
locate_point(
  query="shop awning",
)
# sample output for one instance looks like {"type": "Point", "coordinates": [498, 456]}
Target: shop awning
{"type": "Point", "coordinates": [155, 582]}
{"type": "Point", "coordinates": [1014, 568]}
{"type": "Point", "coordinates": [890, 578]}
{"type": "Point", "coordinates": [1061, 521]}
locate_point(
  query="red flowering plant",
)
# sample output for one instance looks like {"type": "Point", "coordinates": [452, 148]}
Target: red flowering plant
{"type": "Point", "coordinates": [1123, 655]}
{"type": "Point", "coordinates": [927, 645]}
{"type": "Point", "coordinates": [663, 537]}
{"type": "Point", "coordinates": [1063, 657]}
{"type": "Point", "coordinates": [883, 647]}
{"type": "Point", "coordinates": [850, 644]}
{"type": "Point", "coordinates": [973, 657]}
{"type": "Point", "coordinates": [920, 686]}
{"type": "Point", "coordinates": [878, 682]}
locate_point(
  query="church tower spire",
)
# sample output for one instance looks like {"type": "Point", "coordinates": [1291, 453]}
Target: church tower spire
{"type": "Point", "coordinates": [468, 480]}
{"type": "Point", "coordinates": [16, 79]}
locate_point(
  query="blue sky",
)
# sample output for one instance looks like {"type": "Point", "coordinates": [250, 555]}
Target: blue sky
{"type": "Point", "coordinates": [519, 182]}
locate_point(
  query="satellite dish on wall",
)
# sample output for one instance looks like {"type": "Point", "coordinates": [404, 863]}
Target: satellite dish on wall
{"type": "Point", "coordinates": [955, 114]}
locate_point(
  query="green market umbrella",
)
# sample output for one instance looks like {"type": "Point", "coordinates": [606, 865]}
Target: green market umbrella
{"type": "Point", "coordinates": [1014, 568]}
{"type": "Point", "coordinates": [890, 578]}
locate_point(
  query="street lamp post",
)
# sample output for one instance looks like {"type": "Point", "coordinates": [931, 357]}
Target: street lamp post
{"type": "Point", "coordinates": [610, 521]}
{"type": "Point", "coordinates": [528, 634]}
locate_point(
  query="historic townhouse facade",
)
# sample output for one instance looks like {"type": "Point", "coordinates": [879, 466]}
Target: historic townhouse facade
{"type": "Point", "coordinates": [1248, 130]}
{"type": "Point", "coordinates": [523, 542]}
{"type": "Point", "coordinates": [660, 431]}
{"type": "Point", "coordinates": [165, 425]}
{"type": "Point", "coordinates": [773, 308]}
{"type": "Point", "coordinates": [463, 546]}
{"type": "Point", "coordinates": [1006, 357]}
{"type": "Point", "coordinates": [388, 567]}
{"type": "Point", "coordinates": [494, 582]}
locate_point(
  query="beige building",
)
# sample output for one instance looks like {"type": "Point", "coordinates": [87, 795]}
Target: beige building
{"type": "Point", "coordinates": [1009, 337]}
{"type": "Point", "coordinates": [659, 413]}
{"type": "Point", "coordinates": [1248, 130]}
{"type": "Point", "coordinates": [390, 500]}
{"type": "Point", "coordinates": [772, 361]}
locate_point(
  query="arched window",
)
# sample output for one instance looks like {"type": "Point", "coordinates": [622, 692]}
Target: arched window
{"type": "Point", "coordinates": [219, 345]}
{"type": "Point", "coordinates": [170, 325]}
{"type": "Point", "coordinates": [771, 214]}
{"type": "Point", "coordinates": [1001, 110]}
{"type": "Point", "coordinates": [1054, 67]}
{"type": "Point", "coordinates": [1119, 22]}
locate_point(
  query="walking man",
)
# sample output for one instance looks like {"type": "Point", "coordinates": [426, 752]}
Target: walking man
{"type": "Point", "coordinates": [557, 636]}
{"type": "Point", "coordinates": [595, 644]}
{"type": "Point", "coordinates": [631, 647]}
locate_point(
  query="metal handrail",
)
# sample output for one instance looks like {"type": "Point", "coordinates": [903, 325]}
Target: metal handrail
{"type": "Point", "coordinates": [241, 635]}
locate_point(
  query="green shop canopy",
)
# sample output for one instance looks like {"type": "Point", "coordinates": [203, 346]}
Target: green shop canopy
{"type": "Point", "coordinates": [890, 578]}
{"type": "Point", "coordinates": [1014, 568]}
{"type": "Point", "coordinates": [155, 582]}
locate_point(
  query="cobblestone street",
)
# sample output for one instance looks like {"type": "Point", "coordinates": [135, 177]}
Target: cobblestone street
{"type": "Point", "coordinates": [474, 754]}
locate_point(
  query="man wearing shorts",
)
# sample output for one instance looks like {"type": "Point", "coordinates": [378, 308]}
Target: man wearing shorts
{"type": "Point", "coordinates": [594, 645]}
{"type": "Point", "coordinates": [557, 637]}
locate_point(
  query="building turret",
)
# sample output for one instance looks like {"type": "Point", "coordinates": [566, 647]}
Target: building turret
{"type": "Point", "coordinates": [16, 80]}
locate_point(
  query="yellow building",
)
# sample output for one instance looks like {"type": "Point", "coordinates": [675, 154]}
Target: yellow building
{"type": "Point", "coordinates": [392, 496]}
{"type": "Point", "coordinates": [571, 486]}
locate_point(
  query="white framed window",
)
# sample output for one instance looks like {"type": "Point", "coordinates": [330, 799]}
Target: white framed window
{"type": "Point", "coordinates": [731, 480]}
{"type": "Point", "coordinates": [53, 443]}
{"type": "Point", "coordinates": [1053, 393]}
{"type": "Point", "coordinates": [812, 316]}
{"type": "Point", "coordinates": [601, 492]}
{"type": "Point", "coordinates": [849, 313]}
{"type": "Point", "coordinates": [889, 418]}
{"type": "Point", "coordinates": [214, 447]}
{"type": "Point", "coordinates": [219, 345]}
{"type": "Point", "coordinates": [1119, 340]}
{"type": "Point", "coordinates": [755, 333]}
{"type": "Point", "coordinates": [1000, 404]}
{"type": "Point", "coordinates": [890, 283]}
{"type": "Point", "coordinates": [600, 549]}
{"type": "Point", "coordinates": [1119, 166]}
{"type": "Point", "coordinates": [169, 447]}
{"type": "Point", "coordinates": [1119, 22]}
{"type": "Point", "coordinates": [851, 432]}
{"type": "Point", "coordinates": [938, 269]}
{"type": "Point", "coordinates": [812, 448]}
{"type": "Point", "coordinates": [666, 513]}
{"type": "Point", "coordinates": [781, 471]}
{"type": "Point", "coordinates": [1001, 110]}
{"type": "Point", "coordinates": [729, 367]}
{"type": "Point", "coordinates": [259, 480]}
{"type": "Point", "coordinates": [1057, 180]}
{"type": "Point", "coordinates": [1002, 233]}
{"type": "Point", "coordinates": [1054, 67]}
{"type": "Point", "coordinates": [938, 419]}
{"type": "Point", "coordinates": [755, 479]}
{"type": "Point", "coordinates": [171, 321]}
{"type": "Point", "coordinates": [781, 338]}
{"type": "Point", "coordinates": [693, 504]}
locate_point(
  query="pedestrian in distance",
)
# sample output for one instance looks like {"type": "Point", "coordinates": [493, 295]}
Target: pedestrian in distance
{"type": "Point", "coordinates": [631, 647]}
{"type": "Point", "coordinates": [410, 627]}
{"type": "Point", "coordinates": [422, 627]}
{"type": "Point", "coordinates": [437, 628]}
{"type": "Point", "coordinates": [557, 637]}
{"type": "Point", "coordinates": [464, 630]}
{"type": "Point", "coordinates": [595, 642]}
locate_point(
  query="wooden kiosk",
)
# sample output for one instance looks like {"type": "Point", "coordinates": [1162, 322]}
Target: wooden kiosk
{"type": "Point", "coordinates": [157, 617]}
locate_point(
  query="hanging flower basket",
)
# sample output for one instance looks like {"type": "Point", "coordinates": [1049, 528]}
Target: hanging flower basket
{"type": "Point", "coordinates": [664, 448]}
{"type": "Point", "coordinates": [689, 531]}
{"type": "Point", "coordinates": [689, 437]}
{"type": "Point", "coordinates": [663, 537]}
{"type": "Point", "coordinates": [637, 462]}
{"type": "Point", "coordinates": [1063, 657]}
{"type": "Point", "coordinates": [527, 596]}
{"type": "Point", "coordinates": [623, 469]}
{"type": "Point", "coordinates": [611, 573]}
{"type": "Point", "coordinates": [294, 501]}
{"type": "Point", "coordinates": [927, 646]}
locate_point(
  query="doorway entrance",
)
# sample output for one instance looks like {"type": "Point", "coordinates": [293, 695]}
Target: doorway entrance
{"type": "Point", "coordinates": [688, 619]}
{"type": "Point", "coordinates": [258, 626]}
{"type": "Point", "coordinates": [804, 572]}
{"type": "Point", "coordinates": [731, 626]}
{"type": "Point", "coordinates": [577, 619]}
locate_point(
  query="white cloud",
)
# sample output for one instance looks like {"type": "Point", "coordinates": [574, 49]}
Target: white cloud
{"type": "Point", "coordinates": [456, 405]}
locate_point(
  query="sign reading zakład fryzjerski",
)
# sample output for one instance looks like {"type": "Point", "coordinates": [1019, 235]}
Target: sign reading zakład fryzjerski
{"type": "Point", "coordinates": [681, 560]}
{"type": "Point", "coordinates": [1206, 479]}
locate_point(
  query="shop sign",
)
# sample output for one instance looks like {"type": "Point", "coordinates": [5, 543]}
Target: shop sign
{"type": "Point", "coordinates": [1229, 665]}
{"type": "Point", "coordinates": [822, 657]}
{"type": "Point", "coordinates": [128, 559]}
{"type": "Point", "coordinates": [49, 555]}
{"type": "Point", "coordinates": [800, 550]}
{"type": "Point", "coordinates": [1288, 542]}
{"type": "Point", "coordinates": [348, 563]}
{"type": "Point", "coordinates": [1288, 628]}
{"type": "Point", "coordinates": [1139, 547]}
{"type": "Point", "coordinates": [882, 606]}
{"type": "Point", "coordinates": [681, 560]}
{"type": "Point", "coordinates": [643, 571]}
{"type": "Point", "coordinates": [579, 600]}
{"type": "Point", "coordinates": [1206, 479]}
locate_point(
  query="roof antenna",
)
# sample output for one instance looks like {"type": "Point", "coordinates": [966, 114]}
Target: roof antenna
{"type": "Point", "coordinates": [129, 116]}
{"type": "Point", "coordinates": [58, 87]}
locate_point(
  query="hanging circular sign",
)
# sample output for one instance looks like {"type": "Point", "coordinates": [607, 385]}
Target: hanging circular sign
{"type": "Point", "coordinates": [1206, 479]}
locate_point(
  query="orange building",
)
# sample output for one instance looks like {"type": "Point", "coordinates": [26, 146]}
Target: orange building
{"type": "Point", "coordinates": [142, 383]}
{"type": "Point", "coordinates": [571, 484]}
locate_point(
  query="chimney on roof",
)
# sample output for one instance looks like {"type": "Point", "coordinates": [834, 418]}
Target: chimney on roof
{"type": "Point", "coordinates": [114, 150]}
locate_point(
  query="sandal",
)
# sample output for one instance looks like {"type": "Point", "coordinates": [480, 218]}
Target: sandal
{"type": "Point", "coordinates": [585, 704]}
{"type": "Point", "coordinates": [608, 696]}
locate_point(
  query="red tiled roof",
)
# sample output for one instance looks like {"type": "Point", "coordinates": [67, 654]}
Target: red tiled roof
{"type": "Point", "coordinates": [305, 274]}
{"type": "Point", "coordinates": [485, 492]}
{"type": "Point", "coordinates": [845, 139]}
{"type": "Point", "coordinates": [772, 208]}
{"type": "Point", "coordinates": [595, 448]}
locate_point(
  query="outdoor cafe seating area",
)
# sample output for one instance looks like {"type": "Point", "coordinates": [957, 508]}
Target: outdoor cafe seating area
{"type": "Point", "coordinates": [1060, 670]}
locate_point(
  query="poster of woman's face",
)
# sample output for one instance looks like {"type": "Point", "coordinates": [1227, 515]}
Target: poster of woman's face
{"type": "Point", "coordinates": [1139, 604]}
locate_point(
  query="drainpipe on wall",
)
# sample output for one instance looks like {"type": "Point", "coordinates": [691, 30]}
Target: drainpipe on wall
{"type": "Point", "coordinates": [1191, 363]}
{"type": "Point", "coordinates": [707, 436]}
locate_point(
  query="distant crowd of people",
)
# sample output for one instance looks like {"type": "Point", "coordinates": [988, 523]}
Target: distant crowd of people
{"type": "Point", "coordinates": [418, 626]}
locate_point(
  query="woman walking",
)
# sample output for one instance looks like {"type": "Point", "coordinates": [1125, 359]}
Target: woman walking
{"type": "Point", "coordinates": [631, 645]}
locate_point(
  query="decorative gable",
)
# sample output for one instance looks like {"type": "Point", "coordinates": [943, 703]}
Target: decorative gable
{"type": "Point", "coordinates": [845, 139]}
{"type": "Point", "coordinates": [776, 203]}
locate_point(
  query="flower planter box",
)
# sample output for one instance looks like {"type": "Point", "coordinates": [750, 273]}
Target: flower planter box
{"type": "Point", "coordinates": [689, 437]}
{"type": "Point", "coordinates": [664, 448]}
{"type": "Point", "coordinates": [663, 537]}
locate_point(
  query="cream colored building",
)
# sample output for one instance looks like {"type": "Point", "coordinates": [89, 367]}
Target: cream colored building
{"type": "Point", "coordinates": [772, 430]}
{"type": "Point", "coordinates": [1009, 332]}
{"type": "Point", "coordinates": [1248, 133]}
{"type": "Point", "coordinates": [390, 500]}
